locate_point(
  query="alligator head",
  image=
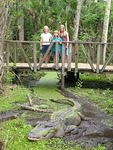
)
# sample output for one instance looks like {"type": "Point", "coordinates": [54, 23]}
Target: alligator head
{"type": "Point", "coordinates": [46, 130]}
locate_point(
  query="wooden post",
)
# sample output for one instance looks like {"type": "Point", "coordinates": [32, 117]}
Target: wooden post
{"type": "Point", "coordinates": [35, 57]}
{"type": "Point", "coordinates": [15, 53]}
{"type": "Point", "coordinates": [63, 66]}
{"type": "Point", "coordinates": [40, 64]}
{"type": "Point", "coordinates": [7, 56]}
{"type": "Point", "coordinates": [98, 58]}
{"type": "Point", "coordinates": [25, 56]}
{"type": "Point", "coordinates": [57, 56]}
{"type": "Point", "coordinates": [69, 57]}
{"type": "Point", "coordinates": [107, 61]}
{"type": "Point", "coordinates": [76, 58]}
{"type": "Point", "coordinates": [88, 58]}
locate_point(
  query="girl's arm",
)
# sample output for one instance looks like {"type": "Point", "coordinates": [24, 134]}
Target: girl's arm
{"type": "Point", "coordinates": [60, 41]}
{"type": "Point", "coordinates": [67, 44]}
{"type": "Point", "coordinates": [50, 38]}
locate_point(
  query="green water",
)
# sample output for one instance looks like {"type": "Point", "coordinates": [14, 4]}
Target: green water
{"type": "Point", "coordinates": [47, 87]}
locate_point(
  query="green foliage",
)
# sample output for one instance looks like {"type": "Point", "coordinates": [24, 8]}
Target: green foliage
{"type": "Point", "coordinates": [53, 13]}
{"type": "Point", "coordinates": [8, 76]}
{"type": "Point", "coordinates": [99, 147]}
{"type": "Point", "coordinates": [32, 75]}
{"type": "Point", "coordinates": [79, 84]}
{"type": "Point", "coordinates": [109, 109]}
{"type": "Point", "coordinates": [103, 98]}
{"type": "Point", "coordinates": [12, 96]}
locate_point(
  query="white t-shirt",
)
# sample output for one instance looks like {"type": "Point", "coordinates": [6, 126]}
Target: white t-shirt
{"type": "Point", "coordinates": [46, 38]}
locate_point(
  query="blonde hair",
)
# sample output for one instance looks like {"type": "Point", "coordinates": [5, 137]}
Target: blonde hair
{"type": "Point", "coordinates": [56, 32]}
{"type": "Point", "coordinates": [46, 27]}
{"type": "Point", "coordinates": [64, 33]}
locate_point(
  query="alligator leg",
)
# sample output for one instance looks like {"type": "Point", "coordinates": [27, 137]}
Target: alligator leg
{"type": "Point", "coordinates": [70, 128]}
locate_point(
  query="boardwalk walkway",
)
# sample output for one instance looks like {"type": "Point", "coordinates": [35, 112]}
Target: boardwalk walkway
{"type": "Point", "coordinates": [82, 57]}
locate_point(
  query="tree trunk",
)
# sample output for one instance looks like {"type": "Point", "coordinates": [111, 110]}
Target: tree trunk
{"type": "Point", "coordinates": [3, 18]}
{"type": "Point", "coordinates": [77, 19]}
{"type": "Point", "coordinates": [21, 22]}
{"type": "Point", "coordinates": [105, 27]}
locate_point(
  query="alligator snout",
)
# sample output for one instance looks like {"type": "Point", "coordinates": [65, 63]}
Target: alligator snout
{"type": "Point", "coordinates": [32, 136]}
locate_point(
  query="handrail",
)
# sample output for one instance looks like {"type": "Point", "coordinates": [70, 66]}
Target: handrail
{"type": "Point", "coordinates": [71, 42]}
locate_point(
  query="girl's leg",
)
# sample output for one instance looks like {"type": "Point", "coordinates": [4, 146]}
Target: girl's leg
{"type": "Point", "coordinates": [41, 55]}
{"type": "Point", "coordinates": [46, 61]}
{"type": "Point", "coordinates": [54, 59]}
{"type": "Point", "coordinates": [66, 59]}
{"type": "Point", "coordinates": [66, 55]}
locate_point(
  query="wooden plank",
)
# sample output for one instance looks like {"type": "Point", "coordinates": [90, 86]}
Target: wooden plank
{"type": "Point", "coordinates": [76, 58]}
{"type": "Point", "coordinates": [88, 58]}
{"type": "Point", "coordinates": [98, 58]}
{"type": "Point", "coordinates": [57, 56]}
{"type": "Point", "coordinates": [83, 67]}
{"type": "Point", "coordinates": [44, 57]}
{"type": "Point", "coordinates": [35, 56]}
{"type": "Point", "coordinates": [63, 66]}
{"type": "Point", "coordinates": [25, 56]}
{"type": "Point", "coordinates": [69, 57]}
{"type": "Point", "coordinates": [72, 42]}
{"type": "Point", "coordinates": [107, 61]}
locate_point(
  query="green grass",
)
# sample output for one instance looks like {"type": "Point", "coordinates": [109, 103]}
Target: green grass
{"type": "Point", "coordinates": [103, 98]}
{"type": "Point", "coordinates": [16, 95]}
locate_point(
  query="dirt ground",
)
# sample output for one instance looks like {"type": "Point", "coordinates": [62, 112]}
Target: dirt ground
{"type": "Point", "coordinates": [95, 128]}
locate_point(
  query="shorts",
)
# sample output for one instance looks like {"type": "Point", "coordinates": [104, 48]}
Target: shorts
{"type": "Point", "coordinates": [60, 52]}
{"type": "Point", "coordinates": [44, 48]}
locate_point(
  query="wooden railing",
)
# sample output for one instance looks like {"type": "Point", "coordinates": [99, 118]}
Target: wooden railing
{"type": "Point", "coordinates": [79, 52]}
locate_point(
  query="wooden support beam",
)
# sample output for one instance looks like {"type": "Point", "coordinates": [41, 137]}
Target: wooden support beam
{"type": "Point", "coordinates": [76, 58]}
{"type": "Point", "coordinates": [35, 56]}
{"type": "Point", "coordinates": [15, 53]}
{"type": "Point", "coordinates": [107, 61]}
{"type": "Point", "coordinates": [25, 56]}
{"type": "Point", "coordinates": [88, 58]}
{"type": "Point", "coordinates": [57, 56]}
{"type": "Point", "coordinates": [63, 66]}
{"type": "Point", "coordinates": [69, 57]}
{"type": "Point", "coordinates": [44, 57]}
{"type": "Point", "coordinates": [98, 58]}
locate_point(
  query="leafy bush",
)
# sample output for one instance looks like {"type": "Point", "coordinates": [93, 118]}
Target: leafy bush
{"type": "Point", "coordinates": [8, 77]}
{"type": "Point", "coordinates": [79, 84]}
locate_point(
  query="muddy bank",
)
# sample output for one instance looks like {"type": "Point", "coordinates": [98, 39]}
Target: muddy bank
{"type": "Point", "coordinates": [95, 128]}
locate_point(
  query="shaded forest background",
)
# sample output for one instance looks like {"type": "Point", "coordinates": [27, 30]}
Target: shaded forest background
{"type": "Point", "coordinates": [37, 13]}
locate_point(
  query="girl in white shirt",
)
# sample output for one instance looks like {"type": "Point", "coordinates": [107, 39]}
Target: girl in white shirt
{"type": "Point", "coordinates": [45, 42]}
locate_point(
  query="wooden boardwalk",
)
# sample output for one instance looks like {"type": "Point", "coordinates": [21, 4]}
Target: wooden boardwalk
{"type": "Point", "coordinates": [82, 57]}
{"type": "Point", "coordinates": [82, 67]}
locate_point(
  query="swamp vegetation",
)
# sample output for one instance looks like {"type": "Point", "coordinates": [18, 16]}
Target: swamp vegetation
{"type": "Point", "coordinates": [14, 128]}
{"type": "Point", "coordinates": [25, 21]}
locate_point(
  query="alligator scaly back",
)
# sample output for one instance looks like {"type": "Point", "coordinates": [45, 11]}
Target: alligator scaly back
{"type": "Point", "coordinates": [62, 122]}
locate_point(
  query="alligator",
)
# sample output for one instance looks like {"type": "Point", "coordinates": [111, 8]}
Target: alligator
{"type": "Point", "coordinates": [62, 122]}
